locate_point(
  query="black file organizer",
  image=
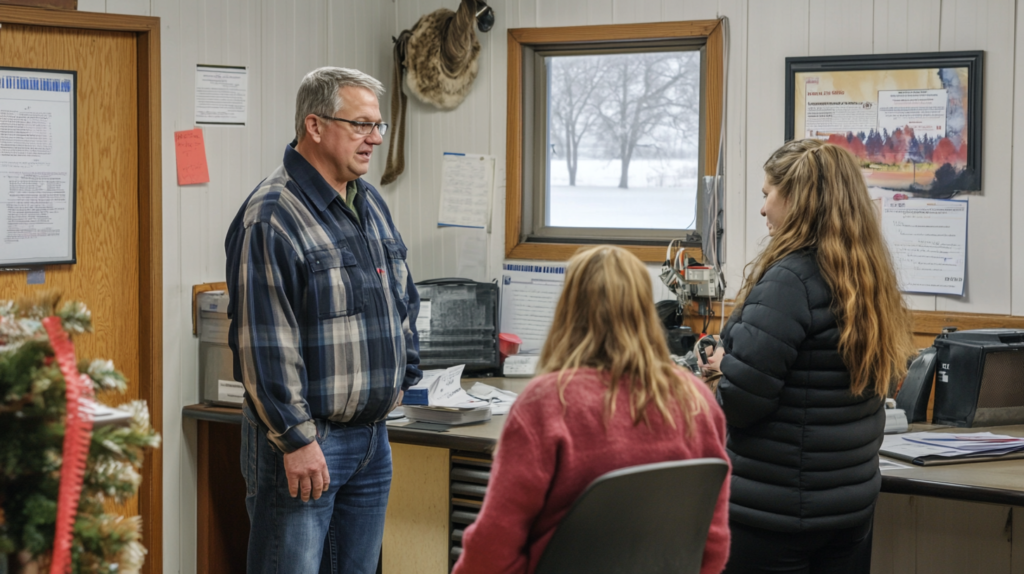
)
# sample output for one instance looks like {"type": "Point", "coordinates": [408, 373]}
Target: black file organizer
{"type": "Point", "coordinates": [470, 474]}
{"type": "Point", "coordinates": [463, 325]}
{"type": "Point", "coordinates": [979, 378]}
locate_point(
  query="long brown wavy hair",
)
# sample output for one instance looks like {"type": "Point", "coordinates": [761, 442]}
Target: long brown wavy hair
{"type": "Point", "coordinates": [829, 210]}
{"type": "Point", "coordinates": [606, 320]}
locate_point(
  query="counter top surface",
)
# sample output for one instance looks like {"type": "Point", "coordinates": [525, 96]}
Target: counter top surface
{"type": "Point", "coordinates": [996, 482]}
{"type": "Point", "coordinates": [481, 438]}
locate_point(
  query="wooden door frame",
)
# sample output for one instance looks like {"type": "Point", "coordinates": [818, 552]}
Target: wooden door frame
{"type": "Point", "coordinates": [147, 50]}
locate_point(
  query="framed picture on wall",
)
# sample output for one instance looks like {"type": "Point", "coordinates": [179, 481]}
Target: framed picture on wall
{"type": "Point", "coordinates": [37, 167]}
{"type": "Point", "coordinates": [914, 121]}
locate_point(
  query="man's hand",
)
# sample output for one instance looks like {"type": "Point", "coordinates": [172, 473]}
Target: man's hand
{"type": "Point", "coordinates": [306, 470]}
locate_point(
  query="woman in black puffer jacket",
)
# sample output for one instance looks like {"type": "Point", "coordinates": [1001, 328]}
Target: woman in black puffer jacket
{"type": "Point", "coordinates": [819, 333]}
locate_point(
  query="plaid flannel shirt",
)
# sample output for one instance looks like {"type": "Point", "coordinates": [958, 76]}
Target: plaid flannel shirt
{"type": "Point", "coordinates": [322, 305]}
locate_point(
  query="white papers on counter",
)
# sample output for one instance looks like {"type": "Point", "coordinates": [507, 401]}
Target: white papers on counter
{"type": "Point", "coordinates": [467, 183]}
{"type": "Point", "coordinates": [529, 294]}
{"type": "Point", "coordinates": [447, 402]}
{"type": "Point", "coordinates": [444, 390]}
{"type": "Point", "coordinates": [499, 399]}
{"type": "Point", "coordinates": [928, 242]}
{"type": "Point", "coordinates": [925, 448]}
{"type": "Point", "coordinates": [967, 443]}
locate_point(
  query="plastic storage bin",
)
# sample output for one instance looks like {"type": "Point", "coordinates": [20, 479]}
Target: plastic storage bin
{"type": "Point", "coordinates": [217, 385]}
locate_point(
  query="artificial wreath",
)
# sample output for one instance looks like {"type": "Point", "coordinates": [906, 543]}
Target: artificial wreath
{"type": "Point", "coordinates": [33, 409]}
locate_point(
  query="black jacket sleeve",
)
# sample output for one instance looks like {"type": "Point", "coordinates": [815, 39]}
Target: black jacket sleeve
{"type": "Point", "coordinates": [761, 346]}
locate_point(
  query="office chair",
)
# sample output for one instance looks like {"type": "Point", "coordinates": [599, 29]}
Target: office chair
{"type": "Point", "coordinates": [649, 519]}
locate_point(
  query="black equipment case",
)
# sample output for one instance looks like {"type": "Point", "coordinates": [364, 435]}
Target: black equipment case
{"type": "Point", "coordinates": [979, 378]}
{"type": "Point", "coordinates": [458, 325]}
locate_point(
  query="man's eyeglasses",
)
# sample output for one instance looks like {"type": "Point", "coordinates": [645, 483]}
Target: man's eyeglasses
{"type": "Point", "coordinates": [361, 128]}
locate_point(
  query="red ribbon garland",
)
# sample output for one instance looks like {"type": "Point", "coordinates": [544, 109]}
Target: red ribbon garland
{"type": "Point", "coordinates": [77, 434]}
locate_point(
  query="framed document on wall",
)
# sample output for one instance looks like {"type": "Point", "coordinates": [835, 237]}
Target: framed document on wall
{"type": "Point", "coordinates": [914, 121]}
{"type": "Point", "coordinates": [37, 167]}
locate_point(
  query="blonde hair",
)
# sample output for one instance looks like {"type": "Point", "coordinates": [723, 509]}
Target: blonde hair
{"type": "Point", "coordinates": [605, 319]}
{"type": "Point", "coordinates": [829, 210]}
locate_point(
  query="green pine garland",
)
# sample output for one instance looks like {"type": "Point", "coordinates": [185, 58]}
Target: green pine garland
{"type": "Point", "coordinates": [32, 407]}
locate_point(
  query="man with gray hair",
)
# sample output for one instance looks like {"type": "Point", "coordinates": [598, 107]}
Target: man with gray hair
{"type": "Point", "coordinates": [323, 313]}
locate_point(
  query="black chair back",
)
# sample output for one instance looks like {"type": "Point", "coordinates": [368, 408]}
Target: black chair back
{"type": "Point", "coordinates": [649, 519]}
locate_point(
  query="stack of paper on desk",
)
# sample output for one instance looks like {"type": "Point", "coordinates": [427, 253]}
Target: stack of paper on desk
{"type": "Point", "coordinates": [448, 415]}
{"type": "Point", "coordinates": [925, 448]}
{"type": "Point", "coordinates": [441, 388]}
{"type": "Point", "coordinates": [500, 400]}
{"type": "Point", "coordinates": [446, 401]}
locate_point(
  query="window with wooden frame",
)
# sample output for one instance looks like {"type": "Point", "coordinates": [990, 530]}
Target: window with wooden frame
{"type": "Point", "coordinates": [609, 131]}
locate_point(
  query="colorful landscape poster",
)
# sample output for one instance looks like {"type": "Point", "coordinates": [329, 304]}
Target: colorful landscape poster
{"type": "Point", "coordinates": [908, 128]}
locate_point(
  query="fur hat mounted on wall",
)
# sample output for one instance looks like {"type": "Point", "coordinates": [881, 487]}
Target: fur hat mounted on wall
{"type": "Point", "coordinates": [439, 56]}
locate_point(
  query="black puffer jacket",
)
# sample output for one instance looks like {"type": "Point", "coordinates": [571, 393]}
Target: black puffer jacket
{"type": "Point", "coordinates": [804, 449]}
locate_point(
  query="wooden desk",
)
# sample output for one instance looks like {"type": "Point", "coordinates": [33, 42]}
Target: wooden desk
{"type": "Point", "coordinates": [222, 529]}
{"type": "Point", "coordinates": [996, 482]}
{"type": "Point", "coordinates": [951, 518]}
{"type": "Point", "coordinates": [941, 519]}
{"type": "Point", "coordinates": [417, 526]}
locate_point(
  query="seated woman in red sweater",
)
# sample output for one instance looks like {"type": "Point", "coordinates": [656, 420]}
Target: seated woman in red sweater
{"type": "Point", "coordinates": [609, 397]}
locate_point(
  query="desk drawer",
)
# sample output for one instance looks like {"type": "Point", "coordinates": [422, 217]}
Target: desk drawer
{"type": "Point", "coordinates": [470, 473]}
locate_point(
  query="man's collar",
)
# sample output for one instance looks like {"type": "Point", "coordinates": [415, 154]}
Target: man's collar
{"type": "Point", "coordinates": [309, 180]}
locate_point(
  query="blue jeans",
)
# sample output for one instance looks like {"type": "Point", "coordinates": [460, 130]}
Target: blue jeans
{"type": "Point", "coordinates": [341, 532]}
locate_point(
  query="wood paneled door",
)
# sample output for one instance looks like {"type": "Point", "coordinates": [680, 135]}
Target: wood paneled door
{"type": "Point", "coordinates": [118, 273]}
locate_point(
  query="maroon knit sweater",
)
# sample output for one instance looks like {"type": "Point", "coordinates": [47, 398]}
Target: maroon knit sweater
{"type": "Point", "coordinates": [548, 455]}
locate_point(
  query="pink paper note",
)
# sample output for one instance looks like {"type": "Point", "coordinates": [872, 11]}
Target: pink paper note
{"type": "Point", "coordinates": [190, 152]}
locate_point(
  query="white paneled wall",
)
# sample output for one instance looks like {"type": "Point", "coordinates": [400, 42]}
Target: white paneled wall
{"type": "Point", "coordinates": [906, 26]}
{"type": "Point", "coordinates": [737, 111]}
{"type": "Point", "coordinates": [909, 26]}
{"type": "Point", "coordinates": [756, 102]}
{"type": "Point", "coordinates": [478, 125]}
{"type": "Point", "coordinates": [781, 31]}
{"type": "Point", "coordinates": [280, 40]}
{"type": "Point", "coordinates": [414, 197]}
{"type": "Point", "coordinates": [987, 25]}
{"type": "Point", "coordinates": [839, 27]}
{"type": "Point", "coordinates": [1016, 256]}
